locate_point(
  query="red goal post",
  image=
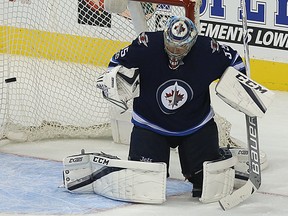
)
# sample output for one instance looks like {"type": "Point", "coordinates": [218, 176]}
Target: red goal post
{"type": "Point", "coordinates": [191, 7]}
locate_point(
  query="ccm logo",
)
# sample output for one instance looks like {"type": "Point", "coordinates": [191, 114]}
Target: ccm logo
{"type": "Point", "coordinates": [101, 160]}
{"type": "Point", "coordinates": [74, 160]}
{"type": "Point", "coordinates": [246, 81]}
{"type": "Point", "coordinates": [243, 152]}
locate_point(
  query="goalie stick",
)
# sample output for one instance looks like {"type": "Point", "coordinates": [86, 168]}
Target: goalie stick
{"type": "Point", "coordinates": [254, 181]}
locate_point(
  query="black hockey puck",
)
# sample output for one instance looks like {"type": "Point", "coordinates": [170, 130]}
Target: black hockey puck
{"type": "Point", "coordinates": [13, 79]}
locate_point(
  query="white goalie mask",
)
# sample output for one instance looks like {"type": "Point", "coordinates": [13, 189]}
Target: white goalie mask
{"type": "Point", "coordinates": [180, 34]}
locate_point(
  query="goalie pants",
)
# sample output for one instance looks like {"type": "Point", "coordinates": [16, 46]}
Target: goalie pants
{"type": "Point", "coordinates": [193, 149]}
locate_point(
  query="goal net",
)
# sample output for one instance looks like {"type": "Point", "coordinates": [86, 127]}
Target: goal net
{"type": "Point", "coordinates": [51, 53]}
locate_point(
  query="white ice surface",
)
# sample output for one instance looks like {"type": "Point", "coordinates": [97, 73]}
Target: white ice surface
{"type": "Point", "coordinates": [270, 200]}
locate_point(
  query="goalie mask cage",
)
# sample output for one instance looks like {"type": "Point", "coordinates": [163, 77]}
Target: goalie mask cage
{"type": "Point", "coordinates": [51, 53]}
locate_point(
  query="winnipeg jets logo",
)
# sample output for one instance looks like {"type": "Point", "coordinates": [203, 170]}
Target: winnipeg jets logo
{"type": "Point", "coordinates": [172, 95]}
{"type": "Point", "coordinates": [179, 29]}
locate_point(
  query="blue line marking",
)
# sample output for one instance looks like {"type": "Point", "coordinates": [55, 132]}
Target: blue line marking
{"type": "Point", "coordinates": [31, 186]}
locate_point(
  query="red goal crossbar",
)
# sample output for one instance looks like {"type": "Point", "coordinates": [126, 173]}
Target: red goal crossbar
{"type": "Point", "coordinates": [187, 4]}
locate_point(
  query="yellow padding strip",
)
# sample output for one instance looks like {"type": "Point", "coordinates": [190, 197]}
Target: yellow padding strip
{"type": "Point", "coordinates": [56, 46]}
{"type": "Point", "coordinates": [273, 75]}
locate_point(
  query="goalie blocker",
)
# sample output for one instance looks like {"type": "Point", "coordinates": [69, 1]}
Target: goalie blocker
{"type": "Point", "coordinates": [243, 94]}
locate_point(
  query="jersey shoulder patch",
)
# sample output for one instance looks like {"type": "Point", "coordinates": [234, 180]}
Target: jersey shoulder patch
{"type": "Point", "coordinates": [214, 46]}
{"type": "Point", "coordinates": [143, 39]}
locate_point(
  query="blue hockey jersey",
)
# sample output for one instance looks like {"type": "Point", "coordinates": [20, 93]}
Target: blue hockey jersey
{"type": "Point", "coordinates": [175, 102]}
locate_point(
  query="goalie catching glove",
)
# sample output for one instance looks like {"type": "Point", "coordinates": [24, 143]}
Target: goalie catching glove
{"type": "Point", "coordinates": [108, 176]}
{"type": "Point", "coordinates": [119, 85]}
{"type": "Point", "coordinates": [243, 94]}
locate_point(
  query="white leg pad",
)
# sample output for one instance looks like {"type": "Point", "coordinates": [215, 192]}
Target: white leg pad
{"type": "Point", "coordinates": [218, 179]}
{"type": "Point", "coordinates": [130, 181]}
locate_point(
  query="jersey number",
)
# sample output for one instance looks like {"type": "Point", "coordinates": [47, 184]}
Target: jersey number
{"type": "Point", "coordinates": [123, 51]}
{"type": "Point", "coordinates": [226, 51]}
